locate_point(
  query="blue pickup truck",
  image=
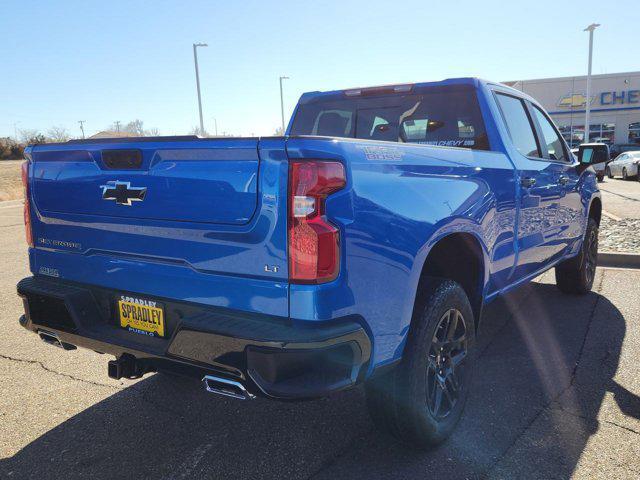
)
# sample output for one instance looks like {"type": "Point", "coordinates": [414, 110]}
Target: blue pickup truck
{"type": "Point", "coordinates": [360, 247]}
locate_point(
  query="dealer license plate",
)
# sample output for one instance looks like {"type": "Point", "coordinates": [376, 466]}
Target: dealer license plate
{"type": "Point", "coordinates": [142, 316]}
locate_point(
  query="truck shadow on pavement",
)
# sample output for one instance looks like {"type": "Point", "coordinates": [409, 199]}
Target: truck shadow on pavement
{"type": "Point", "coordinates": [546, 363]}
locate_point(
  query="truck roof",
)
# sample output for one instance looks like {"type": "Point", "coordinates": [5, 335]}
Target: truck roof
{"type": "Point", "coordinates": [400, 88]}
{"type": "Point", "coordinates": [397, 88]}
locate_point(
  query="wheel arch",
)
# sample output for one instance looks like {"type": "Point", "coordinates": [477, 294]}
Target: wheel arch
{"type": "Point", "coordinates": [595, 209]}
{"type": "Point", "coordinates": [460, 257]}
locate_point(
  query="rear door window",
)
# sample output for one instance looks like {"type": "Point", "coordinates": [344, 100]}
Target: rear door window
{"type": "Point", "coordinates": [519, 125]}
{"type": "Point", "coordinates": [553, 141]}
{"type": "Point", "coordinates": [446, 116]}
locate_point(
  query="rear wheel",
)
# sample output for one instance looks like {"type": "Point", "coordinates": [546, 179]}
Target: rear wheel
{"type": "Point", "coordinates": [422, 399]}
{"type": "Point", "coordinates": [576, 274]}
{"type": "Point", "coordinates": [624, 174]}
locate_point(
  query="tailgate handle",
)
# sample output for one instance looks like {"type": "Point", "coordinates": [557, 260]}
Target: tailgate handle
{"type": "Point", "coordinates": [122, 159]}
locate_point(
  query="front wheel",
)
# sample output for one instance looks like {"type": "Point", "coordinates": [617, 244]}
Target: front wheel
{"type": "Point", "coordinates": [624, 174]}
{"type": "Point", "coordinates": [576, 274]}
{"type": "Point", "coordinates": [609, 173]}
{"type": "Point", "coordinates": [422, 399]}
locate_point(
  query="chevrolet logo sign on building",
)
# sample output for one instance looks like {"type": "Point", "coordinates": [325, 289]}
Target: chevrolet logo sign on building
{"type": "Point", "coordinates": [614, 100]}
{"type": "Point", "coordinates": [574, 100]}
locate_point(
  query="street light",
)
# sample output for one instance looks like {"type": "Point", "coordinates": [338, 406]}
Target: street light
{"type": "Point", "coordinates": [282, 102]}
{"type": "Point", "coordinates": [195, 60]}
{"type": "Point", "coordinates": [587, 120]}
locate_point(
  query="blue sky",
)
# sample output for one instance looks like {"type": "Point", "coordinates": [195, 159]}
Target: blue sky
{"type": "Point", "coordinates": [121, 60]}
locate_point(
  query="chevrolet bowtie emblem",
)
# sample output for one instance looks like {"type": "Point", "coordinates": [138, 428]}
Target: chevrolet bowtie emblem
{"type": "Point", "coordinates": [122, 192]}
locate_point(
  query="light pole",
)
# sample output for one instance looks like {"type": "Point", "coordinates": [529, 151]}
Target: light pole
{"type": "Point", "coordinates": [282, 102]}
{"type": "Point", "coordinates": [81, 122]}
{"type": "Point", "coordinates": [195, 60]}
{"type": "Point", "coordinates": [587, 120]}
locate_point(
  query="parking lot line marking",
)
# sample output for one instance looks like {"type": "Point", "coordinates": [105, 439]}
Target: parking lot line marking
{"type": "Point", "coordinates": [619, 195]}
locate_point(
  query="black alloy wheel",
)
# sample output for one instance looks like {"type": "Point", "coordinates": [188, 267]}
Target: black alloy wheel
{"type": "Point", "coordinates": [591, 252]}
{"type": "Point", "coordinates": [446, 363]}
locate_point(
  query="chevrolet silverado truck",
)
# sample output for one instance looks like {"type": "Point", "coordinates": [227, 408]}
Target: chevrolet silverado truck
{"type": "Point", "coordinates": [358, 248]}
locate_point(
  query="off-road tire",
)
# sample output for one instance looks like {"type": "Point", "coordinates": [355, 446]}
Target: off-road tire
{"type": "Point", "coordinates": [576, 275]}
{"type": "Point", "coordinates": [397, 400]}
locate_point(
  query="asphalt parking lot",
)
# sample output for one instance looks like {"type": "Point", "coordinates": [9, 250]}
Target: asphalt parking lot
{"type": "Point", "coordinates": [556, 395]}
{"type": "Point", "coordinates": [620, 197]}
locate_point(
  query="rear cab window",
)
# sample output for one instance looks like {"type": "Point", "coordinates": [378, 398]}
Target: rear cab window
{"type": "Point", "coordinates": [441, 115]}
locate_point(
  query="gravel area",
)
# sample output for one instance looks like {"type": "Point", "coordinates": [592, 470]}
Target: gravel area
{"type": "Point", "coordinates": [619, 235]}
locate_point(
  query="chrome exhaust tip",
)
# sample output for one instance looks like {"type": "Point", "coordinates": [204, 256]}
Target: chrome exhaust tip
{"type": "Point", "coordinates": [226, 387]}
{"type": "Point", "coordinates": [53, 339]}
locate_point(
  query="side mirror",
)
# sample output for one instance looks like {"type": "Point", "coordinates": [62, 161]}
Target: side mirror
{"type": "Point", "coordinates": [592, 153]}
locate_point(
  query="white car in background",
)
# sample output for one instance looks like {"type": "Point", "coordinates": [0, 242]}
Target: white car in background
{"type": "Point", "coordinates": [625, 165]}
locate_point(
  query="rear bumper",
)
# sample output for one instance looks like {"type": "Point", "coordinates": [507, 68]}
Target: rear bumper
{"type": "Point", "coordinates": [272, 357]}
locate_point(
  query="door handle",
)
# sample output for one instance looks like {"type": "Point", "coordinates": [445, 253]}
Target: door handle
{"type": "Point", "coordinates": [527, 182]}
{"type": "Point", "coordinates": [563, 180]}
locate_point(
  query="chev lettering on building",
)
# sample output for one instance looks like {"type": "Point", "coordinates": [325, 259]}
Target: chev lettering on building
{"type": "Point", "coordinates": [620, 98]}
{"type": "Point", "coordinates": [579, 99]}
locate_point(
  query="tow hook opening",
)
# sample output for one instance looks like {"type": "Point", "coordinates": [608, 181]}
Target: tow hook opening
{"type": "Point", "coordinates": [226, 387]}
{"type": "Point", "coordinates": [53, 339]}
{"type": "Point", "coordinates": [126, 366]}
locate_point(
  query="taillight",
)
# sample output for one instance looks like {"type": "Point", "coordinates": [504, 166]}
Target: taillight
{"type": "Point", "coordinates": [27, 205]}
{"type": "Point", "coordinates": [314, 248]}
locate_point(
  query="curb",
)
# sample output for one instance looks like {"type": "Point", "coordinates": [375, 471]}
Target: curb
{"type": "Point", "coordinates": [619, 260]}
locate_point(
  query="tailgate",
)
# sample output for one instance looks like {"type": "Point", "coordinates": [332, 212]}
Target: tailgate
{"type": "Point", "coordinates": [200, 220]}
{"type": "Point", "coordinates": [214, 184]}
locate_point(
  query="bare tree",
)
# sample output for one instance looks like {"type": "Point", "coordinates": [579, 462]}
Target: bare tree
{"type": "Point", "coordinates": [58, 134]}
{"type": "Point", "coordinates": [31, 137]}
{"type": "Point", "coordinates": [196, 131]}
{"type": "Point", "coordinates": [135, 127]}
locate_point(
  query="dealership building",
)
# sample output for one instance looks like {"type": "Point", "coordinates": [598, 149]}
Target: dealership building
{"type": "Point", "coordinates": [615, 105]}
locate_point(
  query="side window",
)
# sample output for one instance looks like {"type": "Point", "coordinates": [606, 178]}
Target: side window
{"type": "Point", "coordinates": [551, 138]}
{"type": "Point", "coordinates": [519, 125]}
